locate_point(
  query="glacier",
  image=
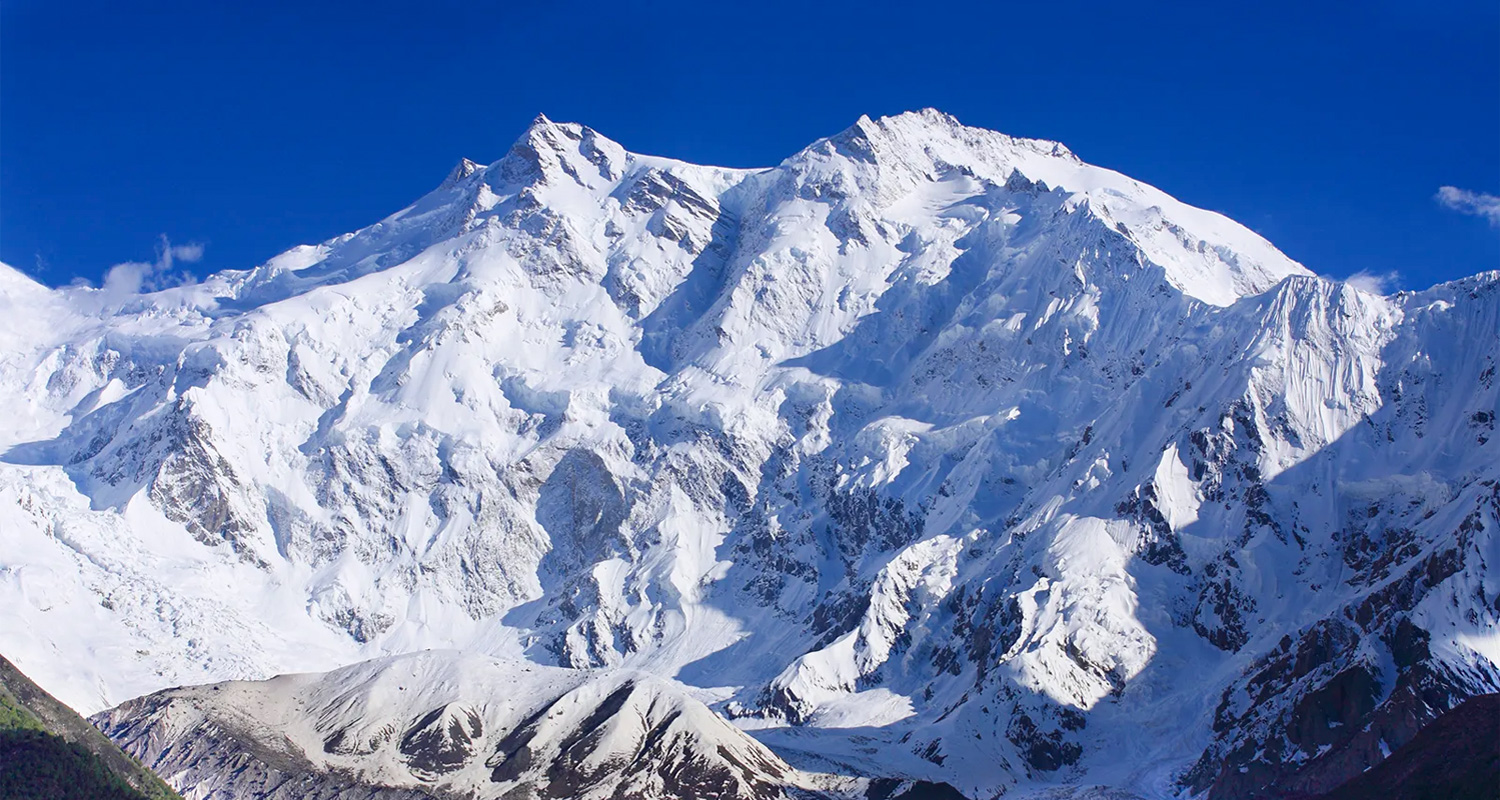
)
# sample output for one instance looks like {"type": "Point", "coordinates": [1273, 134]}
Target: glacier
{"type": "Point", "coordinates": [930, 455]}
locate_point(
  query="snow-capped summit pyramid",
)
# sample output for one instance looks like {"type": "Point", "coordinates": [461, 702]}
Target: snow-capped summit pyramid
{"type": "Point", "coordinates": [930, 454]}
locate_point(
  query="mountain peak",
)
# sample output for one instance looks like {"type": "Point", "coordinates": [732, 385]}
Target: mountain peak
{"type": "Point", "coordinates": [925, 116]}
{"type": "Point", "coordinates": [463, 169]}
{"type": "Point", "coordinates": [543, 135]}
{"type": "Point", "coordinates": [929, 126]}
{"type": "Point", "coordinates": [547, 148]}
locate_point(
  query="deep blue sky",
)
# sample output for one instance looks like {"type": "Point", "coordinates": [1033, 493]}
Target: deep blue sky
{"type": "Point", "coordinates": [1327, 127]}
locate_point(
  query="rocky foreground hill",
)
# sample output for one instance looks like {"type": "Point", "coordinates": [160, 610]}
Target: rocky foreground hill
{"type": "Point", "coordinates": [48, 752]}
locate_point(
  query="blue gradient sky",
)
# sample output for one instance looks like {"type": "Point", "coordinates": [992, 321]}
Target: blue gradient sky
{"type": "Point", "coordinates": [1327, 127]}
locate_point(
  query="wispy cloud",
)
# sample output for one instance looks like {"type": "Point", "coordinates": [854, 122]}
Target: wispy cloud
{"type": "Point", "coordinates": [134, 277]}
{"type": "Point", "coordinates": [1375, 283]}
{"type": "Point", "coordinates": [190, 253]}
{"type": "Point", "coordinates": [1476, 204]}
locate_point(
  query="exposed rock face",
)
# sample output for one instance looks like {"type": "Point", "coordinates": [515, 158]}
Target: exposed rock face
{"type": "Point", "coordinates": [441, 741]}
{"type": "Point", "coordinates": [1455, 756]}
{"type": "Point", "coordinates": [936, 454]}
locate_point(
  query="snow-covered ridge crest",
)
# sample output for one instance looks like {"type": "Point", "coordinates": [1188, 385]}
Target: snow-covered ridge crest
{"type": "Point", "coordinates": [929, 453]}
{"type": "Point", "coordinates": [1223, 260]}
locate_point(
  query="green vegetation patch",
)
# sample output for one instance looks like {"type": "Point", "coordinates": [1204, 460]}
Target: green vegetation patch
{"type": "Point", "coordinates": [14, 717]}
{"type": "Point", "coordinates": [49, 752]}
{"type": "Point", "coordinates": [35, 765]}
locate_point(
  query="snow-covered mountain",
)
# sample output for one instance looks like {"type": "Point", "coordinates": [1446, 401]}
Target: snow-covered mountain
{"type": "Point", "coordinates": [930, 454]}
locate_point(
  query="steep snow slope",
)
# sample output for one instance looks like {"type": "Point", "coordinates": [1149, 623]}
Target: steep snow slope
{"type": "Point", "coordinates": [932, 452]}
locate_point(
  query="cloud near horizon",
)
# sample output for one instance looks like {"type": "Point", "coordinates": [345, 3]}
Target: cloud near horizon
{"type": "Point", "coordinates": [1474, 204]}
{"type": "Point", "coordinates": [1374, 283]}
{"type": "Point", "coordinates": [133, 277]}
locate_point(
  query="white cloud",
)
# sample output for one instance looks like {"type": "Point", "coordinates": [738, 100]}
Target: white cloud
{"type": "Point", "coordinates": [191, 253]}
{"type": "Point", "coordinates": [1374, 283]}
{"type": "Point", "coordinates": [127, 278]}
{"type": "Point", "coordinates": [133, 277]}
{"type": "Point", "coordinates": [1477, 204]}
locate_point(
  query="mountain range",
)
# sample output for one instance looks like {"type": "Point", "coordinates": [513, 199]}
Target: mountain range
{"type": "Point", "coordinates": [931, 462]}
